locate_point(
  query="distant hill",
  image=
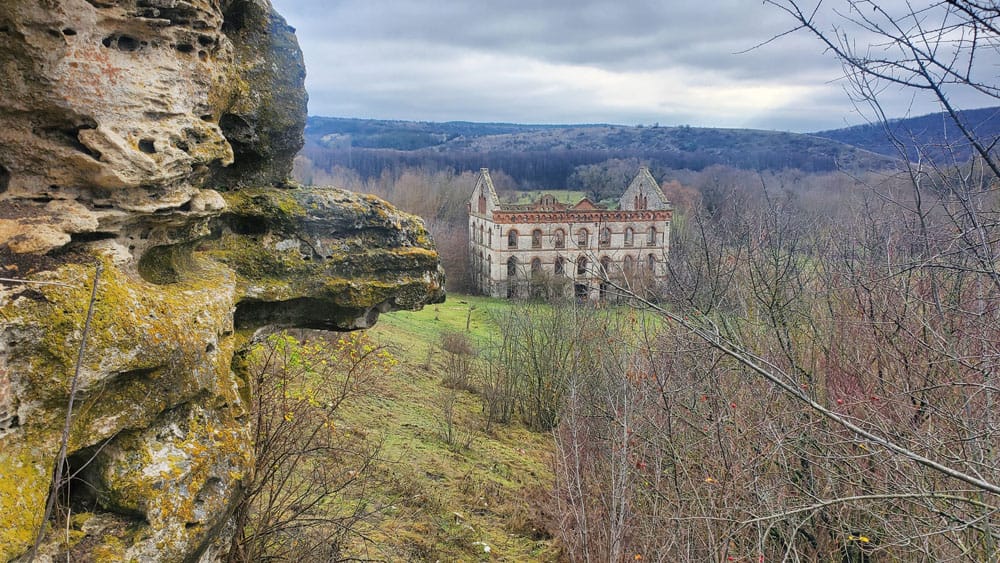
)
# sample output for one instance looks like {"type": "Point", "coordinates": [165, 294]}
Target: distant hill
{"type": "Point", "coordinates": [936, 134]}
{"type": "Point", "coordinates": [547, 154]}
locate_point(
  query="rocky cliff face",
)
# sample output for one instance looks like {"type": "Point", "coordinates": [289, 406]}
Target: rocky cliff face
{"type": "Point", "coordinates": [150, 141]}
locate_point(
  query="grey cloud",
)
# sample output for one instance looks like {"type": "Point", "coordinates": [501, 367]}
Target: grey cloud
{"type": "Point", "coordinates": [484, 60]}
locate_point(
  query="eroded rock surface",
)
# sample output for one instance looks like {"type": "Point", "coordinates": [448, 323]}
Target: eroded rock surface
{"type": "Point", "coordinates": [152, 139]}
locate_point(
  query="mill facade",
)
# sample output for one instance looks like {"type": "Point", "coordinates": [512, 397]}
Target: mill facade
{"type": "Point", "coordinates": [583, 249]}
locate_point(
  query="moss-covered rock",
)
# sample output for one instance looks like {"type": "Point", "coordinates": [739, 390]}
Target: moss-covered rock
{"type": "Point", "coordinates": [324, 258]}
{"type": "Point", "coordinates": [120, 116]}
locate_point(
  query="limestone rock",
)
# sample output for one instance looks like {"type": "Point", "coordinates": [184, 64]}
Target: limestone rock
{"type": "Point", "coordinates": [264, 115]}
{"type": "Point", "coordinates": [324, 258]}
{"type": "Point", "coordinates": [134, 105]}
{"type": "Point", "coordinates": [148, 139]}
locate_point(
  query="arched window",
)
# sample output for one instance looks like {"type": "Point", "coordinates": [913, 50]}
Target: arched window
{"type": "Point", "coordinates": [560, 267]}
{"type": "Point", "coordinates": [651, 264]}
{"type": "Point", "coordinates": [480, 234]}
{"type": "Point", "coordinates": [559, 238]}
{"type": "Point", "coordinates": [581, 265]}
{"type": "Point", "coordinates": [482, 203]}
{"type": "Point", "coordinates": [512, 239]}
{"type": "Point", "coordinates": [605, 266]}
{"type": "Point", "coordinates": [605, 237]}
{"type": "Point", "coordinates": [536, 267]}
{"type": "Point", "coordinates": [629, 236]}
{"type": "Point", "coordinates": [536, 238]}
{"type": "Point", "coordinates": [491, 237]}
{"type": "Point", "coordinates": [628, 265]}
{"type": "Point", "coordinates": [582, 237]}
{"type": "Point", "coordinates": [512, 267]}
{"type": "Point", "coordinates": [651, 236]}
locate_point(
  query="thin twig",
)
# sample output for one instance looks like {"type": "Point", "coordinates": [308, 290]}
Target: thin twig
{"type": "Point", "coordinates": [37, 282]}
{"type": "Point", "coordinates": [64, 441]}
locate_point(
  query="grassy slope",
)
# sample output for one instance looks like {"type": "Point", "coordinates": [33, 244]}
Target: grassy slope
{"type": "Point", "coordinates": [445, 498]}
{"type": "Point", "coordinates": [564, 196]}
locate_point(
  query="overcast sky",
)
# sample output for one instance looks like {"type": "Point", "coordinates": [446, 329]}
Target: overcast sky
{"type": "Point", "coordinates": [671, 62]}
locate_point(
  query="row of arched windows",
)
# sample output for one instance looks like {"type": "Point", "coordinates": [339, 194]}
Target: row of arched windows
{"type": "Point", "coordinates": [479, 233]}
{"type": "Point", "coordinates": [582, 265]}
{"type": "Point", "coordinates": [582, 237]}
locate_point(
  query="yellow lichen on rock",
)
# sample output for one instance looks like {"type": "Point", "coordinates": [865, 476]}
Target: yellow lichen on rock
{"type": "Point", "coordinates": [24, 484]}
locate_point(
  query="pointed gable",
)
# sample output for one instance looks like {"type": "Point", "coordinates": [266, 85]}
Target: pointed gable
{"type": "Point", "coordinates": [585, 205]}
{"type": "Point", "coordinates": [484, 198]}
{"type": "Point", "coordinates": [643, 193]}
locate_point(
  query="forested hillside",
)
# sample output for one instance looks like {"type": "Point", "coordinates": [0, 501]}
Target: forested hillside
{"type": "Point", "coordinates": [935, 136]}
{"type": "Point", "coordinates": [545, 156]}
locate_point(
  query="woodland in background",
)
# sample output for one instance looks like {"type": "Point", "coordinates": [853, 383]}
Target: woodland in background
{"type": "Point", "coordinates": [821, 382]}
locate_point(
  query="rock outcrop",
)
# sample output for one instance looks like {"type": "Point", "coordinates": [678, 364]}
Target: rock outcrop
{"type": "Point", "coordinates": [151, 141]}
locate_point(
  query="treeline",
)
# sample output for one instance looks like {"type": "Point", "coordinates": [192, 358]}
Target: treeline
{"type": "Point", "coordinates": [553, 169]}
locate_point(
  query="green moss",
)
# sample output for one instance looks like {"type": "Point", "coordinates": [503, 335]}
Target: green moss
{"type": "Point", "coordinates": [111, 549]}
{"type": "Point", "coordinates": [274, 207]}
{"type": "Point", "coordinates": [24, 487]}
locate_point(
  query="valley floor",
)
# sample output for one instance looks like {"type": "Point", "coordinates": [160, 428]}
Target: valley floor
{"type": "Point", "coordinates": [480, 497]}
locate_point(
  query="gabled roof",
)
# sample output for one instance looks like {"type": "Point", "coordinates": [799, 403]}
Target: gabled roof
{"type": "Point", "coordinates": [485, 183]}
{"type": "Point", "coordinates": [643, 183]}
{"type": "Point", "coordinates": [586, 204]}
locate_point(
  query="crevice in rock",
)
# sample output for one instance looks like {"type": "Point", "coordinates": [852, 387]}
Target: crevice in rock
{"type": "Point", "coordinates": [234, 19]}
{"type": "Point", "coordinates": [185, 48]}
{"type": "Point", "coordinates": [91, 237]}
{"type": "Point", "coordinates": [164, 265]}
{"type": "Point", "coordinates": [246, 225]}
{"type": "Point", "coordinates": [4, 178]}
{"type": "Point", "coordinates": [237, 130]}
{"type": "Point", "coordinates": [69, 32]}
{"type": "Point", "coordinates": [304, 312]}
{"type": "Point", "coordinates": [69, 136]}
{"type": "Point", "coordinates": [125, 43]}
{"type": "Point", "coordinates": [79, 491]}
{"type": "Point", "coordinates": [147, 146]}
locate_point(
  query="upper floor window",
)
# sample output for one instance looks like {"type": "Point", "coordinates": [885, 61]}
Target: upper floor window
{"type": "Point", "coordinates": [651, 236]}
{"type": "Point", "coordinates": [482, 203]}
{"type": "Point", "coordinates": [536, 238]}
{"type": "Point", "coordinates": [582, 237]}
{"type": "Point", "coordinates": [481, 234]}
{"type": "Point", "coordinates": [629, 236]}
{"type": "Point", "coordinates": [559, 238]}
{"type": "Point", "coordinates": [512, 239]}
{"type": "Point", "coordinates": [605, 237]}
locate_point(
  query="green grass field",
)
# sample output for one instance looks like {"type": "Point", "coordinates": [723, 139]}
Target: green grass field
{"type": "Point", "coordinates": [446, 502]}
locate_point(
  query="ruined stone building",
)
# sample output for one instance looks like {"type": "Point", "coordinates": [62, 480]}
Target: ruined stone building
{"type": "Point", "coordinates": [584, 249]}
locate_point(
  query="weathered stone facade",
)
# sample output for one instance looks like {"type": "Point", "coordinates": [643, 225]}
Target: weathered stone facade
{"type": "Point", "coordinates": [583, 249]}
